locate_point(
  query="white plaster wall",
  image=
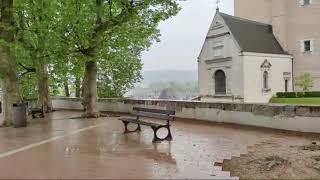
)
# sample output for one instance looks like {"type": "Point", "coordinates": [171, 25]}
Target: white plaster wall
{"type": "Point", "coordinates": [237, 79]}
{"type": "Point", "coordinates": [203, 73]}
{"type": "Point", "coordinates": [233, 68]}
{"type": "Point", "coordinates": [303, 23]}
{"type": "Point", "coordinates": [253, 76]}
{"type": "Point", "coordinates": [291, 24]}
{"type": "Point", "coordinates": [295, 123]}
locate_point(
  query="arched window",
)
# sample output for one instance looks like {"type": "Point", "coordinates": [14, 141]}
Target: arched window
{"type": "Point", "coordinates": [220, 82]}
{"type": "Point", "coordinates": [265, 80]}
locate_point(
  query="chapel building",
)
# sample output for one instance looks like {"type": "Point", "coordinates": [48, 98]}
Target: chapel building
{"type": "Point", "coordinates": [260, 51]}
{"type": "Point", "coordinates": [242, 61]}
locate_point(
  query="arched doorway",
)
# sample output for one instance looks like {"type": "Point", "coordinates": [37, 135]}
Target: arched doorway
{"type": "Point", "coordinates": [220, 82]}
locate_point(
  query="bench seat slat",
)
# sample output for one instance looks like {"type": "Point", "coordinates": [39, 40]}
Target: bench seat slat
{"type": "Point", "coordinates": [141, 122]}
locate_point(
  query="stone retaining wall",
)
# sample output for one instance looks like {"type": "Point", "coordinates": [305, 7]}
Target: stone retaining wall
{"type": "Point", "coordinates": [286, 117]}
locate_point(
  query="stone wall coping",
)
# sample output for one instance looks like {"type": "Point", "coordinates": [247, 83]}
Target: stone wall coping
{"type": "Point", "coordinates": [255, 108]}
{"type": "Point", "coordinates": [184, 101]}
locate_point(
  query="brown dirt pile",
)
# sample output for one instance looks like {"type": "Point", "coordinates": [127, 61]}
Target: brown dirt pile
{"type": "Point", "coordinates": [277, 161]}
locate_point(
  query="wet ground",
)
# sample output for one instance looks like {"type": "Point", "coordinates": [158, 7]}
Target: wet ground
{"type": "Point", "coordinates": [62, 147]}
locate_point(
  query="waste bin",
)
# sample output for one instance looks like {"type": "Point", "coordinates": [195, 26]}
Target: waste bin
{"type": "Point", "coordinates": [20, 115]}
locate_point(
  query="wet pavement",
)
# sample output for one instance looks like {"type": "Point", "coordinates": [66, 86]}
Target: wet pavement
{"type": "Point", "coordinates": [63, 147]}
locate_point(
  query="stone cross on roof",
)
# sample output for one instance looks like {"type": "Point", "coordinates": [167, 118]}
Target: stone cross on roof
{"type": "Point", "coordinates": [217, 2]}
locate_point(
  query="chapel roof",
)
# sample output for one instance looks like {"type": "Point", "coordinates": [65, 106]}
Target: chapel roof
{"type": "Point", "coordinates": [253, 36]}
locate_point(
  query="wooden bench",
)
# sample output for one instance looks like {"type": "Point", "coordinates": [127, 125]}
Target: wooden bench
{"type": "Point", "coordinates": [155, 114]}
{"type": "Point", "coordinates": [36, 111]}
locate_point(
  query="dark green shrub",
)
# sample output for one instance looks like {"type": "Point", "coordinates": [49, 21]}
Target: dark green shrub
{"type": "Point", "coordinates": [286, 95]}
{"type": "Point", "coordinates": [298, 94]}
{"type": "Point", "coordinates": [312, 94]}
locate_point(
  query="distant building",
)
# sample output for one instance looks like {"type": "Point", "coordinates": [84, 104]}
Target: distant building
{"type": "Point", "coordinates": [241, 60]}
{"type": "Point", "coordinates": [296, 26]}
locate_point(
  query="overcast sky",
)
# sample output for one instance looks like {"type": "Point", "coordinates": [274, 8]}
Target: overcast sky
{"type": "Point", "coordinates": [183, 36]}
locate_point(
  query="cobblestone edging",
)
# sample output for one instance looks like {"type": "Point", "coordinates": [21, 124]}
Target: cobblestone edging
{"type": "Point", "coordinates": [287, 117]}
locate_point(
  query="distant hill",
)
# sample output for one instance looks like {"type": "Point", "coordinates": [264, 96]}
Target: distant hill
{"type": "Point", "coordinates": [169, 75]}
{"type": "Point", "coordinates": [182, 83]}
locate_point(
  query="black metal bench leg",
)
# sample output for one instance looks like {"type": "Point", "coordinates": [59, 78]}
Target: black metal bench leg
{"type": "Point", "coordinates": [126, 131]}
{"type": "Point", "coordinates": [155, 137]}
{"type": "Point", "coordinates": [138, 128]}
{"type": "Point", "coordinates": [169, 137]}
{"type": "Point", "coordinates": [126, 127]}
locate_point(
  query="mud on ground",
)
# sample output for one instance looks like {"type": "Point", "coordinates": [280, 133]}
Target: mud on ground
{"type": "Point", "coordinates": [277, 161]}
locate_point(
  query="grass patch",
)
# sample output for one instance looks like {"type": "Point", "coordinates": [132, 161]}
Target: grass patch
{"type": "Point", "coordinates": [302, 101]}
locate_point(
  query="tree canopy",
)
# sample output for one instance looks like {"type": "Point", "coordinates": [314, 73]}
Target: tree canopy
{"type": "Point", "coordinates": [88, 48]}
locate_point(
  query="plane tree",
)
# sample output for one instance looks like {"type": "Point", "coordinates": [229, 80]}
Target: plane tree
{"type": "Point", "coordinates": [97, 29]}
{"type": "Point", "coordinates": [8, 72]}
{"type": "Point", "coordinates": [36, 20]}
{"type": "Point", "coordinates": [45, 40]}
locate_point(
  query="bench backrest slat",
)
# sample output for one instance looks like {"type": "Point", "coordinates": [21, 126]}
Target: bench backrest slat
{"type": "Point", "coordinates": [155, 111]}
{"type": "Point", "coordinates": [153, 115]}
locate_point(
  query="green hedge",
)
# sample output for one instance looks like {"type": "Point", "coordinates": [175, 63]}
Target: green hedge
{"type": "Point", "coordinates": [298, 94]}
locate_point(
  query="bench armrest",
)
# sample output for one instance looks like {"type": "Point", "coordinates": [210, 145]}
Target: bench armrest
{"type": "Point", "coordinates": [172, 117]}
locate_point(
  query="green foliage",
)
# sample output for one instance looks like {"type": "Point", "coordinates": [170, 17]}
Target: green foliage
{"type": "Point", "coordinates": [312, 94]}
{"type": "Point", "coordinates": [118, 75]}
{"type": "Point", "coordinates": [305, 82]}
{"type": "Point", "coordinates": [296, 101]}
{"type": "Point", "coordinates": [114, 34]}
{"type": "Point", "coordinates": [298, 94]}
{"type": "Point", "coordinates": [287, 94]}
{"type": "Point", "coordinates": [66, 34]}
{"type": "Point", "coordinates": [28, 87]}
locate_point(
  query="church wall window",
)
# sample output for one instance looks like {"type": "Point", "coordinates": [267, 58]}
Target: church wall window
{"type": "Point", "coordinates": [307, 45]}
{"type": "Point", "coordinates": [220, 82]}
{"type": "Point", "coordinates": [265, 69]}
{"type": "Point", "coordinates": [265, 80]}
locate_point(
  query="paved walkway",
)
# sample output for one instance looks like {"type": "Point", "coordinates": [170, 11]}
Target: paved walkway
{"type": "Point", "coordinates": [62, 147]}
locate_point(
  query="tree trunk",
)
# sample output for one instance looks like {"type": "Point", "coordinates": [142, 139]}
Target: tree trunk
{"type": "Point", "coordinates": [89, 101]}
{"type": "Point", "coordinates": [10, 83]}
{"type": "Point", "coordinates": [66, 88]}
{"type": "Point", "coordinates": [78, 87]}
{"type": "Point", "coordinates": [82, 89]}
{"type": "Point", "coordinates": [7, 70]}
{"type": "Point", "coordinates": [44, 98]}
{"type": "Point", "coordinates": [10, 97]}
